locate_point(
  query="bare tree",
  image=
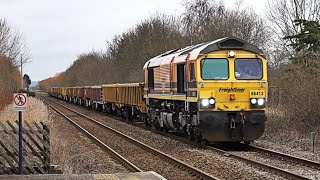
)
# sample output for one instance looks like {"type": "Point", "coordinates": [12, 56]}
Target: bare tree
{"type": "Point", "coordinates": [12, 44]}
{"type": "Point", "coordinates": [205, 20]}
{"type": "Point", "coordinates": [12, 51]}
{"type": "Point", "coordinates": [197, 17]}
{"type": "Point", "coordinates": [129, 51]}
{"type": "Point", "coordinates": [9, 80]}
{"type": "Point", "coordinates": [282, 13]}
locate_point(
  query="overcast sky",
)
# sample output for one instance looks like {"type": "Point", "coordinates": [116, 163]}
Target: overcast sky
{"type": "Point", "coordinates": [57, 31]}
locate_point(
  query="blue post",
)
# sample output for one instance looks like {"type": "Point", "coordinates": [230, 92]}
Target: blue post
{"type": "Point", "coordinates": [20, 143]}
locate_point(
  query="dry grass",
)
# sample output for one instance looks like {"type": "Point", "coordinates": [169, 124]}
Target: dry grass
{"type": "Point", "coordinates": [36, 111]}
{"type": "Point", "coordinates": [294, 109]}
{"type": "Point", "coordinates": [74, 152]}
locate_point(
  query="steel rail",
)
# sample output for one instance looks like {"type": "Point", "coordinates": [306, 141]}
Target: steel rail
{"type": "Point", "coordinates": [102, 145]}
{"type": "Point", "coordinates": [193, 170]}
{"type": "Point", "coordinates": [299, 160]}
{"type": "Point", "coordinates": [267, 167]}
{"type": "Point", "coordinates": [270, 168]}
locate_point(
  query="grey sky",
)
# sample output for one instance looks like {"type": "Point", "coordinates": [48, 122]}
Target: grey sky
{"type": "Point", "coordinates": [56, 32]}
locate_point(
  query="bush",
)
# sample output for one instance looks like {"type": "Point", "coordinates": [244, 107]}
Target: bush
{"type": "Point", "coordinates": [23, 91]}
{"type": "Point", "coordinates": [32, 94]}
{"type": "Point", "coordinates": [298, 107]}
{"type": "Point", "coordinates": [29, 93]}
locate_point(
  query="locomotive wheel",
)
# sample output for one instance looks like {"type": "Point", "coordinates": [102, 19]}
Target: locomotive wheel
{"type": "Point", "coordinates": [108, 109]}
{"type": "Point", "coordinates": [118, 112]}
{"type": "Point", "coordinates": [158, 127]}
{"type": "Point", "coordinates": [129, 114]}
{"type": "Point", "coordinates": [191, 135]}
{"type": "Point", "coordinates": [123, 114]}
{"type": "Point", "coordinates": [198, 137]}
{"type": "Point", "coordinates": [204, 142]}
{"type": "Point", "coordinates": [166, 129]}
{"type": "Point", "coordinates": [144, 119]}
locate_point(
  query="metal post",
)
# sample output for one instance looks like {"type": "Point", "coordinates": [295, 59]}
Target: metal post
{"type": "Point", "coordinates": [20, 143]}
{"type": "Point", "coordinates": [21, 74]}
{"type": "Point", "coordinates": [312, 141]}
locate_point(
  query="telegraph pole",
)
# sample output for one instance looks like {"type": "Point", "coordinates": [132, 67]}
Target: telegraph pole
{"type": "Point", "coordinates": [21, 73]}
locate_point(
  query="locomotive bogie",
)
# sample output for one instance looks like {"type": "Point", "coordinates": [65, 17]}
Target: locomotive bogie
{"type": "Point", "coordinates": [230, 126]}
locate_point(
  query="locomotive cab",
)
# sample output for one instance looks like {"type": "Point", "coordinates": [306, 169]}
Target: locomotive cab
{"type": "Point", "coordinates": [232, 95]}
{"type": "Point", "coordinates": [215, 91]}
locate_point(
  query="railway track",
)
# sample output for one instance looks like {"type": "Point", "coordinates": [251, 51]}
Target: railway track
{"type": "Point", "coordinates": [274, 162]}
{"type": "Point", "coordinates": [295, 159]}
{"type": "Point", "coordinates": [131, 167]}
{"type": "Point", "coordinates": [289, 160]}
{"type": "Point", "coordinates": [286, 172]}
{"type": "Point", "coordinates": [285, 159]}
{"type": "Point", "coordinates": [306, 164]}
{"type": "Point", "coordinates": [132, 150]}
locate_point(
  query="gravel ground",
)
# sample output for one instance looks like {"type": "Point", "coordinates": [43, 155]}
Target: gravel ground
{"type": "Point", "coordinates": [295, 148]}
{"type": "Point", "coordinates": [138, 156]}
{"type": "Point", "coordinates": [310, 172]}
{"type": "Point", "coordinates": [206, 160]}
{"type": "Point", "coordinates": [75, 153]}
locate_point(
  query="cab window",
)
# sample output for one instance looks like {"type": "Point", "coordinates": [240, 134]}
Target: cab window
{"type": "Point", "coordinates": [248, 69]}
{"type": "Point", "coordinates": [214, 69]}
{"type": "Point", "coordinates": [192, 72]}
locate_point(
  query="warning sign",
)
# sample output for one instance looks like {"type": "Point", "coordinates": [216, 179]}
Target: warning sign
{"type": "Point", "coordinates": [20, 101]}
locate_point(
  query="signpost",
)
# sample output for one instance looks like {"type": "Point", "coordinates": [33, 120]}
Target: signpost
{"type": "Point", "coordinates": [20, 104]}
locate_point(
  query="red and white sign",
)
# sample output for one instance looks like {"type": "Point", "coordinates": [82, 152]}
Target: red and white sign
{"type": "Point", "coordinates": [20, 101]}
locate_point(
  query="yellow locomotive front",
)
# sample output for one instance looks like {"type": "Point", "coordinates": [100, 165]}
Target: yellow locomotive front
{"type": "Point", "coordinates": [214, 91]}
{"type": "Point", "coordinates": [232, 87]}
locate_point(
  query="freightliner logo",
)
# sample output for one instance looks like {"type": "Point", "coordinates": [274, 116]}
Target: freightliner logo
{"type": "Point", "coordinates": [228, 90]}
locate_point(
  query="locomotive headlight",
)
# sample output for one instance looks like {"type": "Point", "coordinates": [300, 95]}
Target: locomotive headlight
{"type": "Point", "coordinates": [253, 101]}
{"type": "Point", "coordinates": [231, 53]}
{"type": "Point", "coordinates": [261, 102]}
{"type": "Point", "coordinates": [205, 102]}
{"type": "Point", "coordinates": [212, 101]}
{"type": "Point", "coordinates": [258, 102]}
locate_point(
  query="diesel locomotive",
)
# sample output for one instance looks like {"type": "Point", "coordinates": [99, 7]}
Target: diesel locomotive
{"type": "Point", "coordinates": [213, 91]}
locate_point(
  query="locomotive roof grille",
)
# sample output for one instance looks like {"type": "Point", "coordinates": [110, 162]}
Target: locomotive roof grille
{"type": "Point", "coordinates": [191, 49]}
{"type": "Point", "coordinates": [232, 43]}
{"type": "Point", "coordinates": [205, 48]}
{"type": "Point", "coordinates": [169, 52]}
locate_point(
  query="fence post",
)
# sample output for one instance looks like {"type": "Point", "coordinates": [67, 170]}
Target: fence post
{"type": "Point", "coordinates": [312, 139]}
{"type": "Point", "coordinates": [46, 146]}
{"type": "Point", "coordinates": [20, 144]}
